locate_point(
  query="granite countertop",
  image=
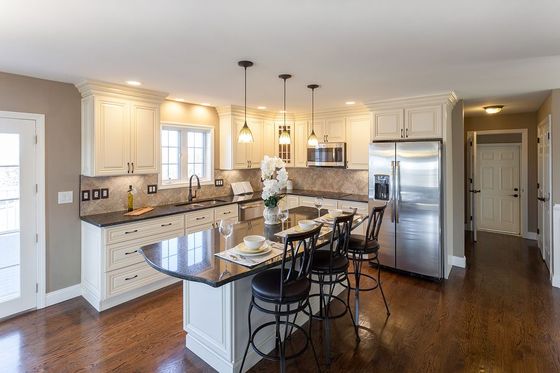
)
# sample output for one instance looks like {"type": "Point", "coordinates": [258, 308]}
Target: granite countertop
{"type": "Point", "coordinates": [194, 259]}
{"type": "Point", "coordinates": [118, 217]}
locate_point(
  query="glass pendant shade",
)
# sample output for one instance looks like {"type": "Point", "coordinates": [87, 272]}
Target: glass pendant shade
{"type": "Point", "coordinates": [245, 135]}
{"type": "Point", "coordinates": [312, 140]}
{"type": "Point", "coordinates": [284, 137]}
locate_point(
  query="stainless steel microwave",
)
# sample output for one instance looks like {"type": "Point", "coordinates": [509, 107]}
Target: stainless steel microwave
{"type": "Point", "coordinates": [327, 154]}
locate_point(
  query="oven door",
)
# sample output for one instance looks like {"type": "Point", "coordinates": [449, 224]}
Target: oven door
{"type": "Point", "coordinates": [331, 154]}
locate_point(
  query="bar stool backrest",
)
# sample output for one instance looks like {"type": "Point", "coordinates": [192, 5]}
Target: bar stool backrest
{"type": "Point", "coordinates": [295, 244]}
{"type": "Point", "coordinates": [374, 223]}
{"type": "Point", "coordinates": [340, 236]}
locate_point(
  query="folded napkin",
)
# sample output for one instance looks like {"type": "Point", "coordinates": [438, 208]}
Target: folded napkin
{"type": "Point", "coordinates": [297, 229]}
{"type": "Point", "coordinates": [232, 255]}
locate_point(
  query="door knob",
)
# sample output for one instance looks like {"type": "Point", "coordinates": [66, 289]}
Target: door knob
{"type": "Point", "coordinates": [474, 191]}
{"type": "Point", "coordinates": [542, 199]}
{"type": "Point", "coordinates": [515, 189]}
{"type": "Point", "coordinates": [515, 195]}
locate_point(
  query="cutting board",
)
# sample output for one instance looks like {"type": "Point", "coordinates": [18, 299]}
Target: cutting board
{"type": "Point", "coordinates": [139, 212]}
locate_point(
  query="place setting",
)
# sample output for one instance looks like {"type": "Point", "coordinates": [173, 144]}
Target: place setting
{"type": "Point", "coordinates": [304, 225]}
{"type": "Point", "coordinates": [332, 214]}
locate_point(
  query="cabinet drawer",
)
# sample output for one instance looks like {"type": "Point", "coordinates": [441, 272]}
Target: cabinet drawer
{"type": "Point", "coordinates": [229, 211]}
{"type": "Point", "coordinates": [124, 255]}
{"type": "Point", "coordinates": [129, 278]}
{"type": "Point", "coordinates": [147, 228]}
{"type": "Point", "coordinates": [201, 217]}
{"type": "Point", "coordinates": [310, 202]}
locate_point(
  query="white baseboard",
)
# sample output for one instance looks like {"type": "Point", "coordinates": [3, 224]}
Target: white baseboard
{"type": "Point", "coordinates": [556, 281]}
{"type": "Point", "coordinates": [62, 295]}
{"type": "Point", "coordinates": [458, 261]}
{"type": "Point", "coordinates": [531, 236]}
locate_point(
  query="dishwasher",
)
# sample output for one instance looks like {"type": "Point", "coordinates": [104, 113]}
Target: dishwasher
{"type": "Point", "coordinates": [251, 210]}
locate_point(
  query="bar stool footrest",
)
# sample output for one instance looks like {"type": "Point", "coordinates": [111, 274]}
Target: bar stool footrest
{"type": "Point", "coordinates": [287, 324]}
{"type": "Point", "coordinates": [321, 316]}
{"type": "Point", "coordinates": [375, 286]}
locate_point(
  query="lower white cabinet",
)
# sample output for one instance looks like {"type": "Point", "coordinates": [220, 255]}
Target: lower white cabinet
{"type": "Point", "coordinates": [310, 202]}
{"type": "Point", "coordinates": [292, 201]}
{"type": "Point", "coordinates": [361, 208]}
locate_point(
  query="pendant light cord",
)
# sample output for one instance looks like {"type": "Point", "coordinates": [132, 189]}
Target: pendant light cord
{"type": "Point", "coordinates": [284, 104]}
{"type": "Point", "coordinates": [245, 94]}
{"type": "Point", "coordinates": [312, 108]}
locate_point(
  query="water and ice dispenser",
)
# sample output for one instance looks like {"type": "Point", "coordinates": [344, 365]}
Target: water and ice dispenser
{"type": "Point", "coordinates": [382, 187]}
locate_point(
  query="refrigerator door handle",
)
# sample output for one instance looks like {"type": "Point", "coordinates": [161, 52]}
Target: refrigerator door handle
{"type": "Point", "coordinates": [392, 192]}
{"type": "Point", "coordinates": [397, 189]}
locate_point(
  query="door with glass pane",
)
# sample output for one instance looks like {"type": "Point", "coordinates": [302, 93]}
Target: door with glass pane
{"type": "Point", "coordinates": [18, 257]}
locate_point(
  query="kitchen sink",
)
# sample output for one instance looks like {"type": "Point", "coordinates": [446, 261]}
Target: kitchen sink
{"type": "Point", "coordinates": [201, 203]}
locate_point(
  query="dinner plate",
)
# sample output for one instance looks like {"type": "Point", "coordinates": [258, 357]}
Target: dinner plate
{"type": "Point", "coordinates": [264, 249]}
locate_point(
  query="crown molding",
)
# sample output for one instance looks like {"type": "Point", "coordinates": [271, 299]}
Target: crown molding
{"type": "Point", "coordinates": [253, 113]}
{"type": "Point", "coordinates": [446, 98]}
{"type": "Point", "coordinates": [96, 87]}
{"type": "Point", "coordinates": [354, 110]}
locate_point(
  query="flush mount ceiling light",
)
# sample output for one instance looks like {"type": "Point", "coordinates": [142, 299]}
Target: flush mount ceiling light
{"type": "Point", "coordinates": [245, 135]}
{"type": "Point", "coordinates": [493, 109]}
{"type": "Point", "coordinates": [284, 135]}
{"type": "Point", "coordinates": [312, 140]}
{"type": "Point", "coordinates": [261, 107]}
{"type": "Point", "coordinates": [350, 102]}
{"type": "Point", "coordinates": [134, 83]}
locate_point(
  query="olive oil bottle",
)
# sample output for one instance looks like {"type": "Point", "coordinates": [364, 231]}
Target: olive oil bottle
{"type": "Point", "coordinates": [130, 199]}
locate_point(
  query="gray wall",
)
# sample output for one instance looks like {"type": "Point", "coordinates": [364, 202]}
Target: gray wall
{"type": "Point", "coordinates": [458, 127]}
{"type": "Point", "coordinates": [60, 103]}
{"type": "Point", "coordinates": [514, 121]}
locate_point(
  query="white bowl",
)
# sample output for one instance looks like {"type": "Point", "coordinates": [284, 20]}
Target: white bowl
{"type": "Point", "coordinates": [335, 213]}
{"type": "Point", "coordinates": [306, 224]}
{"type": "Point", "coordinates": [253, 242]}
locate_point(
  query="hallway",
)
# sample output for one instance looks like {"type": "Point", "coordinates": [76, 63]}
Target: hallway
{"type": "Point", "coordinates": [499, 315]}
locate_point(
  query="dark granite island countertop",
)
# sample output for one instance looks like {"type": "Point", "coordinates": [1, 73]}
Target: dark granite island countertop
{"type": "Point", "coordinates": [192, 258]}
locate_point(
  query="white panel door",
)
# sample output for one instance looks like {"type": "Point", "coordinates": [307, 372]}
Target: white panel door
{"type": "Point", "coordinates": [423, 122]}
{"type": "Point", "coordinates": [544, 192]}
{"type": "Point", "coordinates": [388, 125]}
{"type": "Point", "coordinates": [145, 139]}
{"type": "Point", "coordinates": [112, 137]}
{"type": "Point", "coordinates": [336, 130]}
{"type": "Point", "coordinates": [18, 217]}
{"type": "Point", "coordinates": [358, 138]}
{"type": "Point", "coordinates": [498, 172]}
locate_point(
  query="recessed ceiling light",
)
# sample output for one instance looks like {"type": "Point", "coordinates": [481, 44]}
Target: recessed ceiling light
{"type": "Point", "coordinates": [350, 102]}
{"type": "Point", "coordinates": [133, 83]}
{"type": "Point", "coordinates": [179, 99]}
{"type": "Point", "coordinates": [261, 107]}
{"type": "Point", "coordinates": [493, 109]}
{"type": "Point", "coordinates": [205, 103]}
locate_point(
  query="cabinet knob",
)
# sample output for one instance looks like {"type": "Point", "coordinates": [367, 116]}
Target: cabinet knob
{"type": "Point", "coordinates": [132, 171]}
{"type": "Point", "coordinates": [402, 136]}
{"type": "Point", "coordinates": [128, 167]}
{"type": "Point", "coordinates": [406, 131]}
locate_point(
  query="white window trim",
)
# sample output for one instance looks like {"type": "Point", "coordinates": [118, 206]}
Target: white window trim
{"type": "Point", "coordinates": [182, 125]}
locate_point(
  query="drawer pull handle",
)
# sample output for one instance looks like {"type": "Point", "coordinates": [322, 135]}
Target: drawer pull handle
{"type": "Point", "coordinates": [166, 225]}
{"type": "Point", "coordinates": [131, 252]}
{"type": "Point", "coordinates": [201, 218]}
{"type": "Point", "coordinates": [226, 212]}
{"type": "Point", "coordinates": [129, 232]}
{"type": "Point", "coordinates": [130, 278]}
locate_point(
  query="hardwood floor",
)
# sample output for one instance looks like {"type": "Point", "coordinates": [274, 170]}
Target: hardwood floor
{"type": "Point", "coordinates": [499, 315]}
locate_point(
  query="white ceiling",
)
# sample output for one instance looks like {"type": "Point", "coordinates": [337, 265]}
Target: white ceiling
{"type": "Point", "coordinates": [358, 50]}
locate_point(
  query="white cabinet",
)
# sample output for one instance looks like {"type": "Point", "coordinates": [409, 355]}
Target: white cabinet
{"type": "Point", "coordinates": [414, 122]}
{"type": "Point", "coordinates": [423, 122]}
{"type": "Point", "coordinates": [358, 138]}
{"type": "Point", "coordinates": [331, 129]}
{"type": "Point", "coordinates": [292, 201]}
{"type": "Point", "coordinates": [361, 208]}
{"type": "Point", "coordinates": [300, 144]}
{"type": "Point", "coordinates": [248, 155]}
{"type": "Point", "coordinates": [120, 129]}
{"type": "Point", "coordinates": [269, 135]}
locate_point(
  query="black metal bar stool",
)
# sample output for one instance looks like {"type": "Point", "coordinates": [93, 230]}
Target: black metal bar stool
{"type": "Point", "coordinates": [366, 249]}
{"type": "Point", "coordinates": [287, 290]}
{"type": "Point", "coordinates": [329, 268]}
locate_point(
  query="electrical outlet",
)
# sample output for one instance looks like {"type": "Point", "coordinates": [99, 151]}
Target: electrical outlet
{"type": "Point", "coordinates": [152, 189]}
{"type": "Point", "coordinates": [85, 195]}
{"type": "Point", "coordinates": [104, 193]}
{"type": "Point", "coordinates": [219, 182]}
{"type": "Point", "coordinates": [95, 193]}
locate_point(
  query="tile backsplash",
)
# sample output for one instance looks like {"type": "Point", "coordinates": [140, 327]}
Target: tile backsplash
{"type": "Point", "coordinates": [327, 179]}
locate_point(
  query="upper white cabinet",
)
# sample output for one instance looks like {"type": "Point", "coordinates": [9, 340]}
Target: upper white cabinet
{"type": "Point", "coordinates": [247, 155]}
{"type": "Point", "coordinates": [300, 144]}
{"type": "Point", "coordinates": [388, 124]}
{"type": "Point", "coordinates": [423, 122]}
{"type": "Point", "coordinates": [120, 129]}
{"type": "Point", "coordinates": [358, 139]}
{"type": "Point", "coordinates": [335, 129]}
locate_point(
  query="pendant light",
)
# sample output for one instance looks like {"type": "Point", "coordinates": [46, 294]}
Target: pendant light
{"type": "Point", "coordinates": [312, 140]}
{"type": "Point", "coordinates": [245, 135]}
{"type": "Point", "coordinates": [284, 135]}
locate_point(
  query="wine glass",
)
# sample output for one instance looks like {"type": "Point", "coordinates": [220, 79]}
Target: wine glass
{"type": "Point", "coordinates": [283, 214]}
{"type": "Point", "coordinates": [226, 228]}
{"type": "Point", "coordinates": [318, 203]}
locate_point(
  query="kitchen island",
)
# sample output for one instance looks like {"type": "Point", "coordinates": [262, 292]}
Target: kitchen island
{"type": "Point", "coordinates": [216, 292]}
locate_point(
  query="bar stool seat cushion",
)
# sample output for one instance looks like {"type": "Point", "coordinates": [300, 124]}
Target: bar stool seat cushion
{"type": "Point", "coordinates": [356, 245]}
{"type": "Point", "coordinates": [266, 286]}
{"type": "Point", "coordinates": [321, 262]}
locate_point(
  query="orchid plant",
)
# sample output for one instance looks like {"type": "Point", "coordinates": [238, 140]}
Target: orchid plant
{"type": "Point", "coordinates": [274, 177]}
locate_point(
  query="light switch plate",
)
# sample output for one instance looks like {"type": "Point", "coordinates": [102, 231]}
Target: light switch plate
{"type": "Point", "coordinates": [152, 189]}
{"type": "Point", "coordinates": [219, 182]}
{"type": "Point", "coordinates": [65, 197]}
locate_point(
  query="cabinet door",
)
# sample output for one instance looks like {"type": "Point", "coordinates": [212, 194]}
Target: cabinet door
{"type": "Point", "coordinates": [423, 122]}
{"type": "Point", "coordinates": [388, 125]}
{"type": "Point", "coordinates": [269, 134]}
{"type": "Point", "coordinates": [285, 151]}
{"type": "Point", "coordinates": [320, 130]}
{"type": "Point", "coordinates": [336, 129]}
{"type": "Point", "coordinates": [255, 149]}
{"type": "Point", "coordinates": [240, 150]}
{"type": "Point", "coordinates": [300, 145]}
{"type": "Point", "coordinates": [145, 134]}
{"type": "Point", "coordinates": [358, 131]}
{"type": "Point", "coordinates": [292, 201]}
{"type": "Point", "coordinates": [112, 137]}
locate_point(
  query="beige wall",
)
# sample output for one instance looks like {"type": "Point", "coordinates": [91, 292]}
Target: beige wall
{"type": "Point", "coordinates": [458, 125]}
{"type": "Point", "coordinates": [60, 103]}
{"type": "Point", "coordinates": [515, 121]}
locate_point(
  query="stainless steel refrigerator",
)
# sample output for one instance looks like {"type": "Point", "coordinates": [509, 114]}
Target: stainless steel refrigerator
{"type": "Point", "coordinates": [406, 176]}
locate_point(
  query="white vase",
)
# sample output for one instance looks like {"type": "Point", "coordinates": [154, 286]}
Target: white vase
{"type": "Point", "coordinates": [270, 215]}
